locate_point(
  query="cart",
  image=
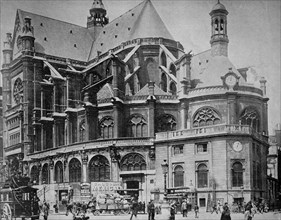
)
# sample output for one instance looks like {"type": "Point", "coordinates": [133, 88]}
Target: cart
{"type": "Point", "coordinates": [19, 200]}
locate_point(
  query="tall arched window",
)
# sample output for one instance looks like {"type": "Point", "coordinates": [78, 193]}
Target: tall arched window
{"type": "Point", "coordinates": [99, 169]}
{"type": "Point", "coordinates": [34, 175]}
{"type": "Point", "coordinates": [137, 126]}
{"type": "Point", "coordinates": [82, 131]}
{"type": "Point", "coordinates": [178, 176]}
{"type": "Point", "coordinates": [132, 162]}
{"type": "Point", "coordinates": [202, 176]}
{"type": "Point", "coordinates": [59, 172]}
{"type": "Point", "coordinates": [163, 59]}
{"type": "Point", "coordinates": [163, 83]}
{"type": "Point", "coordinates": [250, 117]}
{"type": "Point", "coordinates": [74, 170]}
{"type": "Point", "coordinates": [106, 127]}
{"type": "Point", "coordinates": [166, 122]}
{"type": "Point", "coordinates": [173, 88]}
{"type": "Point", "coordinates": [45, 174]}
{"type": "Point", "coordinates": [205, 117]}
{"type": "Point", "coordinates": [237, 174]}
{"type": "Point", "coordinates": [173, 70]}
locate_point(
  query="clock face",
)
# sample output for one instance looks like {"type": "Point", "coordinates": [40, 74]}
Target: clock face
{"type": "Point", "coordinates": [230, 80]}
{"type": "Point", "coordinates": [237, 146]}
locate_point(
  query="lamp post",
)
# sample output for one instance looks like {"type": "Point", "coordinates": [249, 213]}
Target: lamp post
{"type": "Point", "coordinates": [165, 209]}
{"type": "Point", "coordinates": [165, 167]}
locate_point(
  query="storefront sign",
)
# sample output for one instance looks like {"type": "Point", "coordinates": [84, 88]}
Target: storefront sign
{"type": "Point", "coordinates": [104, 187]}
{"type": "Point", "coordinates": [85, 189]}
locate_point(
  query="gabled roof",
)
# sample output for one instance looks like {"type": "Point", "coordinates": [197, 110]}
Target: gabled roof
{"type": "Point", "coordinates": [105, 92]}
{"type": "Point", "coordinates": [59, 38]}
{"type": "Point", "coordinates": [139, 22]}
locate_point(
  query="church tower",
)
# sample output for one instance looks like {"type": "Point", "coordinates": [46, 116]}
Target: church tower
{"type": "Point", "coordinates": [219, 40]}
{"type": "Point", "coordinates": [97, 15]}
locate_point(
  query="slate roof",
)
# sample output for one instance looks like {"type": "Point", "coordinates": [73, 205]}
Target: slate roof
{"type": "Point", "coordinates": [58, 38]}
{"type": "Point", "coordinates": [140, 22]}
{"type": "Point", "coordinates": [208, 70]}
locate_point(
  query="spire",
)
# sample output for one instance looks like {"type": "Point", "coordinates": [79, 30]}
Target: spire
{"type": "Point", "coordinates": [97, 15]}
{"type": "Point", "coordinates": [219, 40]}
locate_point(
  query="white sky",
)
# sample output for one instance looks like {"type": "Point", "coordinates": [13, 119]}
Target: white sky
{"type": "Point", "coordinates": [253, 30]}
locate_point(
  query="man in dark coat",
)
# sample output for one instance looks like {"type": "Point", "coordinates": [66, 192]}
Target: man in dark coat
{"type": "Point", "coordinates": [134, 208]}
{"type": "Point", "coordinates": [151, 210]}
{"type": "Point", "coordinates": [225, 215]}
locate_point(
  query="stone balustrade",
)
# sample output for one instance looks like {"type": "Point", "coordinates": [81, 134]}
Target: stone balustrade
{"type": "Point", "coordinates": [209, 130]}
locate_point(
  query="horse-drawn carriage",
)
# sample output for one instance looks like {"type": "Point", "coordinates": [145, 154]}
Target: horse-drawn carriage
{"type": "Point", "coordinates": [19, 200]}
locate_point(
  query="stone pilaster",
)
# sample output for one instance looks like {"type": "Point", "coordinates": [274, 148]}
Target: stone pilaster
{"type": "Point", "coordinates": [115, 162]}
{"type": "Point", "coordinates": [84, 158]}
{"type": "Point", "coordinates": [183, 114]}
{"type": "Point", "coordinates": [91, 113]}
{"type": "Point", "coordinates": [118, 117]}
{"type": "Point", "coordinates": [232, 108]}
{"type": "Point", "coordinates": [52, 171]}
{"type": "Point", "coordinates": [151, 100]}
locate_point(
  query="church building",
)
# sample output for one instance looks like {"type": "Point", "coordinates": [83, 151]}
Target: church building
{"type": "Point", "coordinates": [99, 108]}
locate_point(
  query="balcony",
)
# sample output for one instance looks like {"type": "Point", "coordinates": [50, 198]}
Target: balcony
{"type": "Point", "coordinates": [210, 130]}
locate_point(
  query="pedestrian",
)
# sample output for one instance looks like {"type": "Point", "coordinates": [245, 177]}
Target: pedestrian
{"type": "Point", "coordinates": [69, 207]}
{"type": "Point", "coordinates": [225, 215]}
{"type": "Point", "coordinates": [173, 211]}
{"type": "Point", "coordinates": [196, 210]}
{"type": "Point", "coordinates": [134, 208]}
{"type": "Point", "coordinates": [214, 209]}
{"type": "Point", "coordinates": [248, 211]}
{"type": "Point", "coordinates": [184, 208]}
{"type": "Point", "coordinates": [151, 210]}
{"type": "Point", "coordinates": [45, 210]}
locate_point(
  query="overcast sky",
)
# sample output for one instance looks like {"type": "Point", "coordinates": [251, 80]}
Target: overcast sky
{"type": "Point", "coordinates": [253, 30]}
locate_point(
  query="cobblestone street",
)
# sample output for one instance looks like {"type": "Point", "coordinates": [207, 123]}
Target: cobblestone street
{"type": "Point", "coordinates": [204, 216]}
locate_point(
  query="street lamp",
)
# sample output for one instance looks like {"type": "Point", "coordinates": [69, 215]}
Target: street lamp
{"type": "Point", "coordinates": [165, 209]}
{"type": "Point", "coordinates": [165, 167]}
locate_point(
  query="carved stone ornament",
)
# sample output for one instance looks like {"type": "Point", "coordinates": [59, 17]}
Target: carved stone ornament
{"type": "Point", "coordinates": [84, 157]}
{"type": "Point", "coordinates": [152, 153]}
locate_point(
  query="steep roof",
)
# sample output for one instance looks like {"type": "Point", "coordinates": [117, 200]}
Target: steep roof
{"type": "Point", "coordinates": [59, 38]}
{"type": "Point", "coordinates": [145, 91]}
{"type": "Point", "coordinates": [139, 22]}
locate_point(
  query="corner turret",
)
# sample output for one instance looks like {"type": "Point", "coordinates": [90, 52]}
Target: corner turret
{"type": "Point", "coordinates": [219, 40]}
{"type": "Point", "coordinates": [7, 51]}
{"type": "Point", "coordinates": [27, 37]}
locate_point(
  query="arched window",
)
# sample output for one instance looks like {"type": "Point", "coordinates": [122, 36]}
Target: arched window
{"type": "Point", "coordinates": [237, 174]}
{"type": "Point", "coordinates": [82, 131]}
{"type": "Point", "coordinates": [45, 174]}
{"type": "Point", "coordinates": [205, 117]}
{"type": "Point", "coordinates": [59, 172]}
{"type": "Point", "coordinates": [173, 70]}
{"type": "Point", "coordinates": [166, 122]}
{"type": "Point", "coordinates": [178, 176]}
{"type": "Point", "coordinates": [152, 69]}
{"type": "Point", "coordinates": [132, 162]}
{"type": "Point", "coordinates": [173, 88]}
{"type": "Point", "coordinates": [99, 169]}
{"type": "Point", "coordinates": [202, 176]}
{"type": "Point", "coordinates": [250, 117]}
{"type": "Point", "coordinates": [163, 84]}
{"type": "Point", "coordinates": [106, 127]}
{"type": "Point", "coordinates": [137, 126]}
{"type": "Point", "coordinates": [163, 59]}
{"type": "Point", "coordinates": [34, 175]}
{"type": "Point", "coordinates": [74, 170]}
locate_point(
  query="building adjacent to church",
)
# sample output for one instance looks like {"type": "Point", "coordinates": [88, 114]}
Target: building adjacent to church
{"type": "Point", "coordinates": [107, 103]}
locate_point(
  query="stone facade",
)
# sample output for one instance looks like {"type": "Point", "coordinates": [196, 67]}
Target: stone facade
{"type": "Point", "coordinates": [114, 113]}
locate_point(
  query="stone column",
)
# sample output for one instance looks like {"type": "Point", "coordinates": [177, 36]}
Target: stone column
{"type": "Point", "coordinates": [52, 173]}
{"type": "Point", "coordinates": [65, 170]}
{"type": "Point", "coordinates": [84, 158]}
{"type": "Point", "coordinates": [118, 117]}
{"type": "Point", "coordinates": [39, 173]}
{"type": "Point", "coordinates": [115, 159]}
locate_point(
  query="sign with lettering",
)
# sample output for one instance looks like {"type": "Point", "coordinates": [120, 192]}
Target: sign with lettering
{"type": "Point", "coordinates": [105, 187]}
{"type": "Point", "coordinates": [85, 189]}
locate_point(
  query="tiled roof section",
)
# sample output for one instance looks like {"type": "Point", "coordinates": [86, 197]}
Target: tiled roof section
{"type": "Point", "coordinates": [207, 70]}
{"type": "Point", "coordinates": [105, 92]}
{"type": "Point", "coordinates": [139, 22]}
{"type": "Point", "coordinates": [58, 38]}
{"type": "Point", "coordinates": [145, 91]}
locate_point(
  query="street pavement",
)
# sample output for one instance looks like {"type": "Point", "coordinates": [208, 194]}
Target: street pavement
{"type": "Point", "coordinates": [190, 216]}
